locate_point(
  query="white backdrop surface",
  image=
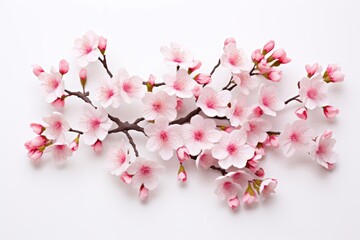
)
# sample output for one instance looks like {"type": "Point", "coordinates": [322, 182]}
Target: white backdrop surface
{"type": "Point", "coordinates": [82, 201]}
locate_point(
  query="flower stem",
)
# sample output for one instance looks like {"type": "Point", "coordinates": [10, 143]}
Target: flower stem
{"type": "Point", "coordinates": [215, 67]}
{"type": "Point", "coordinates": [104, 63]}
{"type": "Point", "coordinates": [295, 98]}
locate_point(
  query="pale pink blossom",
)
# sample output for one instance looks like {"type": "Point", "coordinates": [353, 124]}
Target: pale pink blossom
{"type": "Point", "coordinates": [163, 138]}
{"type": "Point", "coordinates": [267, 187]}
{"type": "Point", "coordinates": [58, 103]}
{"type": "Point", "coordinates": [86, 49]}
{"type": "Point", "coordinates": [95, 124]}
{"type": "Point", "coordinates": [213, 103]}
{"type": "Point", "coordinates": [256, 130]}
{"type": "Point", "coordinates": [37, 128]}
{"type": "Point", "coordinates": [268, 47]}
{"type": "Point", "coordinates": [233, 203]}
{"type": "Point", "coordinates": [238, 112]}
{"type": "Point", "coordinates": [130, 87]}
{"type": "Point", "coordinates": [144, 173]}
{"type": "Point", "coordinates": [183, 154]}
{"type": "Point", "coordinates": [240, 177]}
{"type": "Point", "coordinates": [182, 176]}
{"type": "Point", "coordinates": [333, 74]}
{"type": "Point", "coordinates": [226, 188]}
{"type": "Point", "coordinates": [249, 198]}
{"type": "Point", "coordinates": [330, 112]}
{"type": "Point", "coordinates": [102, 44]}
{"type": "Point", "coordinates": [312, 69]}
{"type": "Point", "coordinates": [257, 56]}
{"type": "Point", "coordinates": [301, 113]}
{"type": "Point", "coordinates": [109, 94]}
{"type": "Point", "coordinates": [97, 146]}
{"type": "Point", "coordinates": [52, 85]}
{"type": "Point", "coordinates": [280, 55]}
{"type": "Point", "coordinates": [143, 193]}
{"type": "Point", "coordinates": [322, 150]}
{"type": "Point", "coordinates": [296, 136]}
{"type": "Point", "coordinates": [200, 134]}
{"type": "Point", "coordinates": [159, 104]}
{"type": "Point", "coordinates": [63, 67]}
{"type": "Point", "coordinates": [269, 101]}
{"type": "Point", "coordinates": [245, 82]}
{"type": "Point", "coordinates": [180, 85]}
{"type": "Point", "coordinates": [205, 160]}
{"type": "Point", "coordinates": [37, 69]}
{"type": "Point", "coordinates": [197, 91]}
{"type": "Point", "coordinates": [197, 65]}
{"type": "Point", "coordinates": [232, 150]}
{"type": "Point", "coordinates": [229, 40]}
{"type": "Point", "coordinates": [274, 75]}
{"type": "Point", "coordinates": [59, 152]}
{"type": "Point", "coordinates": [177, 55]}
{"type": "Point", "coordinates": [313, 92]}
{"type": "Point", "coordinates": [233, 58]}
{"type": "Point", "coordinates": [56, 127]}
{"type": "Point", "coordinates": [35, 148]}
{"type": "Point", "coordinates": [119, 158]}
{"type": "Point", "coordinates": [203, 78]}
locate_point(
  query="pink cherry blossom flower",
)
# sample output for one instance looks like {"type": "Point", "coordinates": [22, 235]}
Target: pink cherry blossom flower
{"type": "Point", "coordinates": [97, 146]}
{"type": "Point", "coordinates": [52, 85]}
{"type": "Point", "coordinates": [229, 40]}
{"type": "Point", "coordinates": [86, 49]}
{"type": "Point", "coordinates": [268, 47]}
{"type": "Point", "coordinates": [233, 58]}
{"type": "Point", "coordinates": [144, 173]}
{"type": "Point", "coordinates": [267, 187]}
{"type": "Point", "coordinates": [330, 112]}
{"type": "Point", "coordinates": [200, 134]}
{"type": "Point", "coordinates": [238, 111]}
{"type": "Point", "coordinates": [296, 136]}
{"type": "Point", "coordinates": [163, 138]}
{"type": "Point", "coordinates": [280, 55]}
{"type": "Point", "coordinates": [232, 150]}
{"type": "Point", "coordinates": [226, 188]}
{"type": "Point", "coordinates": [119, 158]}
{"type": "Point", "coordinates": [240, 177]}
{"type": "Point", "coordinates": [205, 160]}
{"type": "Point", "coordinates": [312, 69]}
{"type": "Point", "coordinates": [34, 148]}
{"type": "Point", "coordinates": [177, 55]}
{"type": "Point", "coordinates": [56, 127]}
{"type": "Point", "coordinates": [257, 56]}
{"type": "Point", "coordinates": [63, 67]}
{"type": "Point", "coordinates": [129, 87]}
{"type": "Point", "coordinates": [269, 101]}
{"type": "Point", "coordinates": [109, 94]}
{"type": "Point", "coordinates": [333, 74]}
{"type": "Point", "coordinates": [37, 128]}
{"type": "Point", "coordinates": [180, 85]}
{"type": "Point", "coordinates": [182, 154]}
{"type": "Point", "coordinates": [60, 152]}
{"type": "Point", "coordinates": [95, 124]}
{"type": "Point", "coordinates": [159, 104]}
{"type": "Point", "coordinates": [301, 113]}
{"type": "Point", "coordinates": [37, 69]}
{"type": "Point", "coordinates": [322, 150]}
{"type": "Point", "coordinates": [313, 92]}
{"type": "Point", "coordinates": [256, 130]}
{"type": "Point", "coordinates": [58, 103]}
{"type": "Point", "coordinates": [274, 75]}
{"type": "Point", "coordinates": [213, 103]}
{"type": "Point", "coordinates": [245, 82]}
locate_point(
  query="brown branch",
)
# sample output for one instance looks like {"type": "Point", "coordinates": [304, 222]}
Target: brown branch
{"type": "Point", "coordinates": [232, 87]}
{"type": "Point", "coordinates": [251, 73]}
{"type": "Point", "coordinates": [273, 133]}
{"type": "Point", "coordinates": [83, 96]}
{"type": "Point", "coordinates": [187, 117]}
{"type": "Point", "coordinates": [222, 171]}
{"type": "Point", "coordinates": [132, 143]}
{"type": "Point", "coordinates": [104, 63]}
{"type": "Point", "coordinates": [138, 120]}
{"type": "Point", "coordinates": [215, 67]}
{"type": "Point", "coordinates": [155, 84]}
{"type": "Point", "coordinates": [295, 98]}
{"type": "Point", "coordinates": [76, 131]}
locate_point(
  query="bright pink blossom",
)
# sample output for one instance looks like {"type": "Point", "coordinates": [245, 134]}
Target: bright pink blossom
{"type": "Point", "coordinates": [37, 128]}
{"type": "Point", "coordinates": [52, 85]}
{"type": "Point", "coordinates": [280, 55]}
{"type": "Point", "coordinates": [267, 187]}
{"type": "Point", "coordinates": [245, 82]}
{"type": "Point", "coordinates": [63, 67]}
{"type": "Point", "coordinates": [177, 55]}
{"type": "Point", "coordinates": [257, 56]}
{"type": "Point", "coordinates": [233, 58]}
{"type": "Point", "coordinates": [159, 104]}
{"type": "Point", "coordinates": [86, 49]}
{"type": "Point", "coordinates": [330, 112]}
{"type": "Point", "coordinates": [301, 113]}
{"type": "Point", "coordinates": [180, 85]}
{"type": "Point", "coordinates": [313, 92]}
{"type": "Point", "coordinates": [269, 101]}
{"type": "Point", "coordinates": [268, 47]}
{"type": "Point", "coordinates": [322, 150]}
{"type": "Point", "coordinates": [214, 103]}
{"type": "Point", "coordinates": [34, 148]}
{"type": "Point", "coordinates": [333, 74]}
{"type": "Point", "coordinates": [56, 127]}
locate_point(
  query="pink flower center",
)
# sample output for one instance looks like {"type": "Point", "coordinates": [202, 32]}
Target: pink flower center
{"type": "Point", "coordinates": [210, 103]}
{"type": "Point", "coordinates": [312, 93]}
{"type": "Point", "coordinates": [54, 83]}
{"type": "Point", "coordinates": [110, 93]}
{"type": "Point", "coordinates": [266, 101]}
{"type": "Point", "coordinates": [238, 112]}
{"type": "Point", "coordinates": [232, 149]}
{"type": "Point", "coordinates": [227, 185]}
{"type": "Point", "coordinates": [321, 150]}
{"type": "Point", "coordinates": [145, 170]}
{"type": "Point", "coordinates": [58, 125]}
{"type": "Point", "coordinates": [252, 127]}
{"type": "Point", "coordinates": [198, 135]}
{"type": "Point", "coordinates": [178, 55]}
{"type": "Point", "coordinates": [294, 137]}
{"type": "Point", "coordinates": [164, 136]}
{"type": "Point", "coordinates": [178, 85]}
{"type": "Point", "coordinates": [157, 106]}
{"type": "Point", "coordinates": [234, 59]}
{"type": "Point", "coordinates": [127, 87]}
{"type": "Point", "coordinates": [121, 159]}
{"type": "Point", "coordinates": [95, 124]}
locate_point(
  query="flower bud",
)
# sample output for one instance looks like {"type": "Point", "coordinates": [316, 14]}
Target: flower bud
{"type": "Point", "coordinates": [74, 145]}
{"type": "Point", "coordinates": [97, 146]}
{"type": "Point", "coordinates": [333, 74]}
{"type": "Point", "coordinates": [182, 154]}
{"type": "Point", "coordinates": [256, 56]}
{"type": "Point", "coordinates": [37, 70]}
{"type": "Point", "coordinates": [330, 112]}
{"type": "Point", "coordinates": [37, 128]}
{"type": "Point", "coordinates": [203, 78]}
{"type": "Point", "coordinates": [83, 77]}
{"type": "Point", "coordinates": [301, 113]}
{"type": "Point", "coordinates": [311, 69]}
{"type": "Point", "coordinates": [233, 203]}
{"type": "Point", "coordinates": [63, 67]}
{"type": "Point", "coordinates": [144, 193]}
{"type": "Point", "coordinates": [182, 176]}
{"type": "Point", "coordinates": [269, 46]}
{"type": "Point", "coordinates": [102, 44]}
{"type": "Point", "coordinates": [197, 64]}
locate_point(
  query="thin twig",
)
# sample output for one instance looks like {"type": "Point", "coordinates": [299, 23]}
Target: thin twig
{"type": "Point", "coordinates": [251, 73]}
{"type": "Point", "coordinates": [104, 63]}
{"type": "Point", "coordinates": [215, 67]}
{"type": "Point", "coordinates": [273, 133]}
{"type": "Point", "coordinates": [295, 98]}
{"type": "Point", "coordinates": [186, 118]}
{"type": "Point", "coordinates": [76, 131]}
{"type": "Point", "coordinates": [222, 171]}
{"type": "Point", "coordinates": [230, 81]}
{"type": "Point", "coordinates": [131, 141]}
{"type": "Point", "coordinates": [83, 96]}
{"type": "Point", "coordinates": [138, 120]}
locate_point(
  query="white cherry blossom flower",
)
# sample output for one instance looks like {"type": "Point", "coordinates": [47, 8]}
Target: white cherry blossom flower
{"type": "Point", "coordinates": [322, 150]}
{"type": "Point", "coordinates": [52, 85]}
{"type": "Point", "coordinates": [59, 152]}
{"type": "Point", "coordinates": [109, 94]}
{"type": "Point", "coordinates": [180, 85]}
{"type": "Point", "coordinates": [130, 88]}
{"type": "Point", "coordinates": [268, 100]}
{"type": "Point", "coordinates": [159, 104]}
{"type": "Point", "coordinates": [313, 92]}
{"type": "Point", "coordinates": [56, 127]}
{"type": "Point", "coordinates": [238, 112]}
{"type": "Point", "coordinates": [256, 130]}
{"type": "Point", "coordinates": [177, 55]}
{"type": "Point", "coordinates": [86, 49]}
{"type": "Point", "coordinates": [214, 103]}
{"type": "Point", "coordinates": [245, 82]}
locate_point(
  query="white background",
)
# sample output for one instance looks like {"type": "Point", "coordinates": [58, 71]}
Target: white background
{"type": "Point", "coordinates": [82, 201]}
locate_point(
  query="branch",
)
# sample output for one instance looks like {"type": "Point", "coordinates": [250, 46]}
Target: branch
{"type": "Point", "coordinates": [104, 63]}
{"type": "Point", "coordinates": [131, 141]}
{"type": "Point", "coordinates": [273, 133]}
{"type": "Point", "coordinates": [251, 73]}
{"type": "Point", "coordinates": [138, 120]}
{"type": "Point", "coordinates": [295, 98]}
{"type": "Point", "coordinates": [83, 96]}
{"type": "Point", "coordinates": [230, 81]}
{"type": "Point", "coordinates": [222, 171]}
{"type": "Point", "coordinates": [76, 131]}
{"type": "Point", "coordinates": [215, 67]}
{"type": "Point", "coordinates": [186, 118]}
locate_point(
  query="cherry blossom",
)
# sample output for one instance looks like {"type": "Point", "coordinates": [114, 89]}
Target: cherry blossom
{"type": "Point", "coordinates": [52, 85]}
{"type": "Point", "coordinates": [322, 150]}
{"type": "Point", "coordinates": [268, 47]}
{"type": "Point", "coordinates": [119, 158]}
{"type": "Point", "coordinates": [37, 128]}
{"type": "Point", "coordinates": [313, 92]}
{"type": "Point", "coordinates": [205, 160]}
{"type": "Point", "coordinates": [312, 69]}
{"type": "Point", "coordinates": [240, 177]}
{"type": "Point", "coordinates": [333, 74]}
{"type": "Point", "coordinates": [109, 94]}
{"type": "Point", "coordinates": [129, 87]}
{"type": "Point", "coordinates": [63, 67]}
{"type": "Point", "coordinates": [86, 49]}
{"type": "Point", "coordinates": [180, 85]}
{"type": "Point", "coordinates": [280, 55]}
{"type": "Point", "coordinates": [37, 69]}
{"type": "Point", "coordinates": [256, 130]}
{"type": "Point", "coordinates": [55, 127]}
{"type": "Point", "coordinates": [227, 189]}
{"type": "Point", "coordinates": [301, 113]}
{"type": "Point", "coordinates": [213, 103]}
{"type": "Point", "coordinates": [238, 112]}
{"type": "Point", "coordinates": [102, 44]}
{"type": "Point", "coordinates": [232, 150]}
{"type": "Point", "coordinates": [267, 187]}
{"type": "Point", "coordinates": [182, 154]}
{"type": "Point", "coordinates": [268, 100]}
{"type": "Point", "coordinates": [177, 55]}
{"type": "Point", "coordinates": [245, 82]}
{"type": "Point", "coordinates": [233, 58]}
{"type": "Point", "coordinates": [59, 151]}
{"type": "Point", "coordinates": [163, 138]}
{"type": "Point", "coordinates": [35, 147]}
{"type": "Point", "coordinates": [330, 112]}
{"type": "Point", "coordinates": [159, 104]}
{"type": "Point", "coordinates": [95, 124]}
{"type": "Point", "coordinates": [296, 136]}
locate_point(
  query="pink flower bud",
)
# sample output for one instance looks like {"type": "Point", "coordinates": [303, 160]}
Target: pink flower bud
{"type": "Point", "coordinates": [126, 178]}
{"type": "Point", "coordinates": [327, 133]}
{"type": "Point", "coordinates": [182, 154]}
{"type": "Point", "coordinates": [97, 146]}
{"type": "Point", "coordinates": [260, 173]}
{"type": "Point", "coordinates": [249, 199]}
{"type": "Point", "coordinates": [74, 145]}
{"type": "Point", "coordinates": [37, 128]}
{"type": "Point", "coordinates": [182, 176]}
{"type": "Point", "coordinates": [330, 112]}
{"type": "Point", "coordinates": [301, 113]}
{"type": "Point", "coordinates": [203, 78]}
{"type": "Point", "coordinates": [268, 47]}
{"type": "Point", "coordinates": [256, 56]}
{"type": "Point", "coordinates": [197, 91]}
{"type": "Point", "coordinates": [37, 70]}
{"type": "Point", "coordinates": [333, 74]}
{"type": "Point", "coordinates": [102, 44]}
{"type": "Point", "coordinates": [280, 55]}
{"type": "Point", "coordinates": [63, 67]}
{"type": "Point", "coordinates": [257, 112]}
{"type": "Point", "coordinates": [197, 64]}
{"type": "Point", "coordinates": [234, 203]}
{"type": "Point", "coordinates": [264, 67]}
{"type": "Point", "coordinates": [311, 69]}
{"type": "Point", "coordinates": [83, 76]}
{"type": "Point", "coordinates": [179, 104]}
{"type": "Point", "coordinates": [267, 187]}
{"type": "Point", "coordinates": [58, 103]}
{"type": "Point", "coordinates": [152, 79]}
{"type": "Point", "coordinates": [144, 193]}
{"type": "Point", "coordinates": [35, 155]}
{"type": "Point", "coordinates": [229, 40]}
{"type": "Point", "coordinates": [274, 75]}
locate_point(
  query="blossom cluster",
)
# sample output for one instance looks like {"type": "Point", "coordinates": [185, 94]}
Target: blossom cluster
{"type": "Point", "coordinates": [224, 133]}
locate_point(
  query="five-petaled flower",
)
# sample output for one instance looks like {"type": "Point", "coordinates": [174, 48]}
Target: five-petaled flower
{"type": "Point", "coordinates": [86, 49]}
{"type": "Point", "coordinates": [180, 85]}
{"type": "Point", "coordinates": [52, 85]}
{"type": "Point", "coordinates": [213, 103]}
{"type": "Point", "coordinates": [55, 127]}
{"type": "Point", "coordinates": [177, 55]}
{"type": "Point", "coordinates": [313, 92]}
{"type": "Point", "coordinates": [119, 158]}
{"type": "Point", "coordinates": [322, 150]}
{"type": "Point", "coordinates": [159, 104]}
